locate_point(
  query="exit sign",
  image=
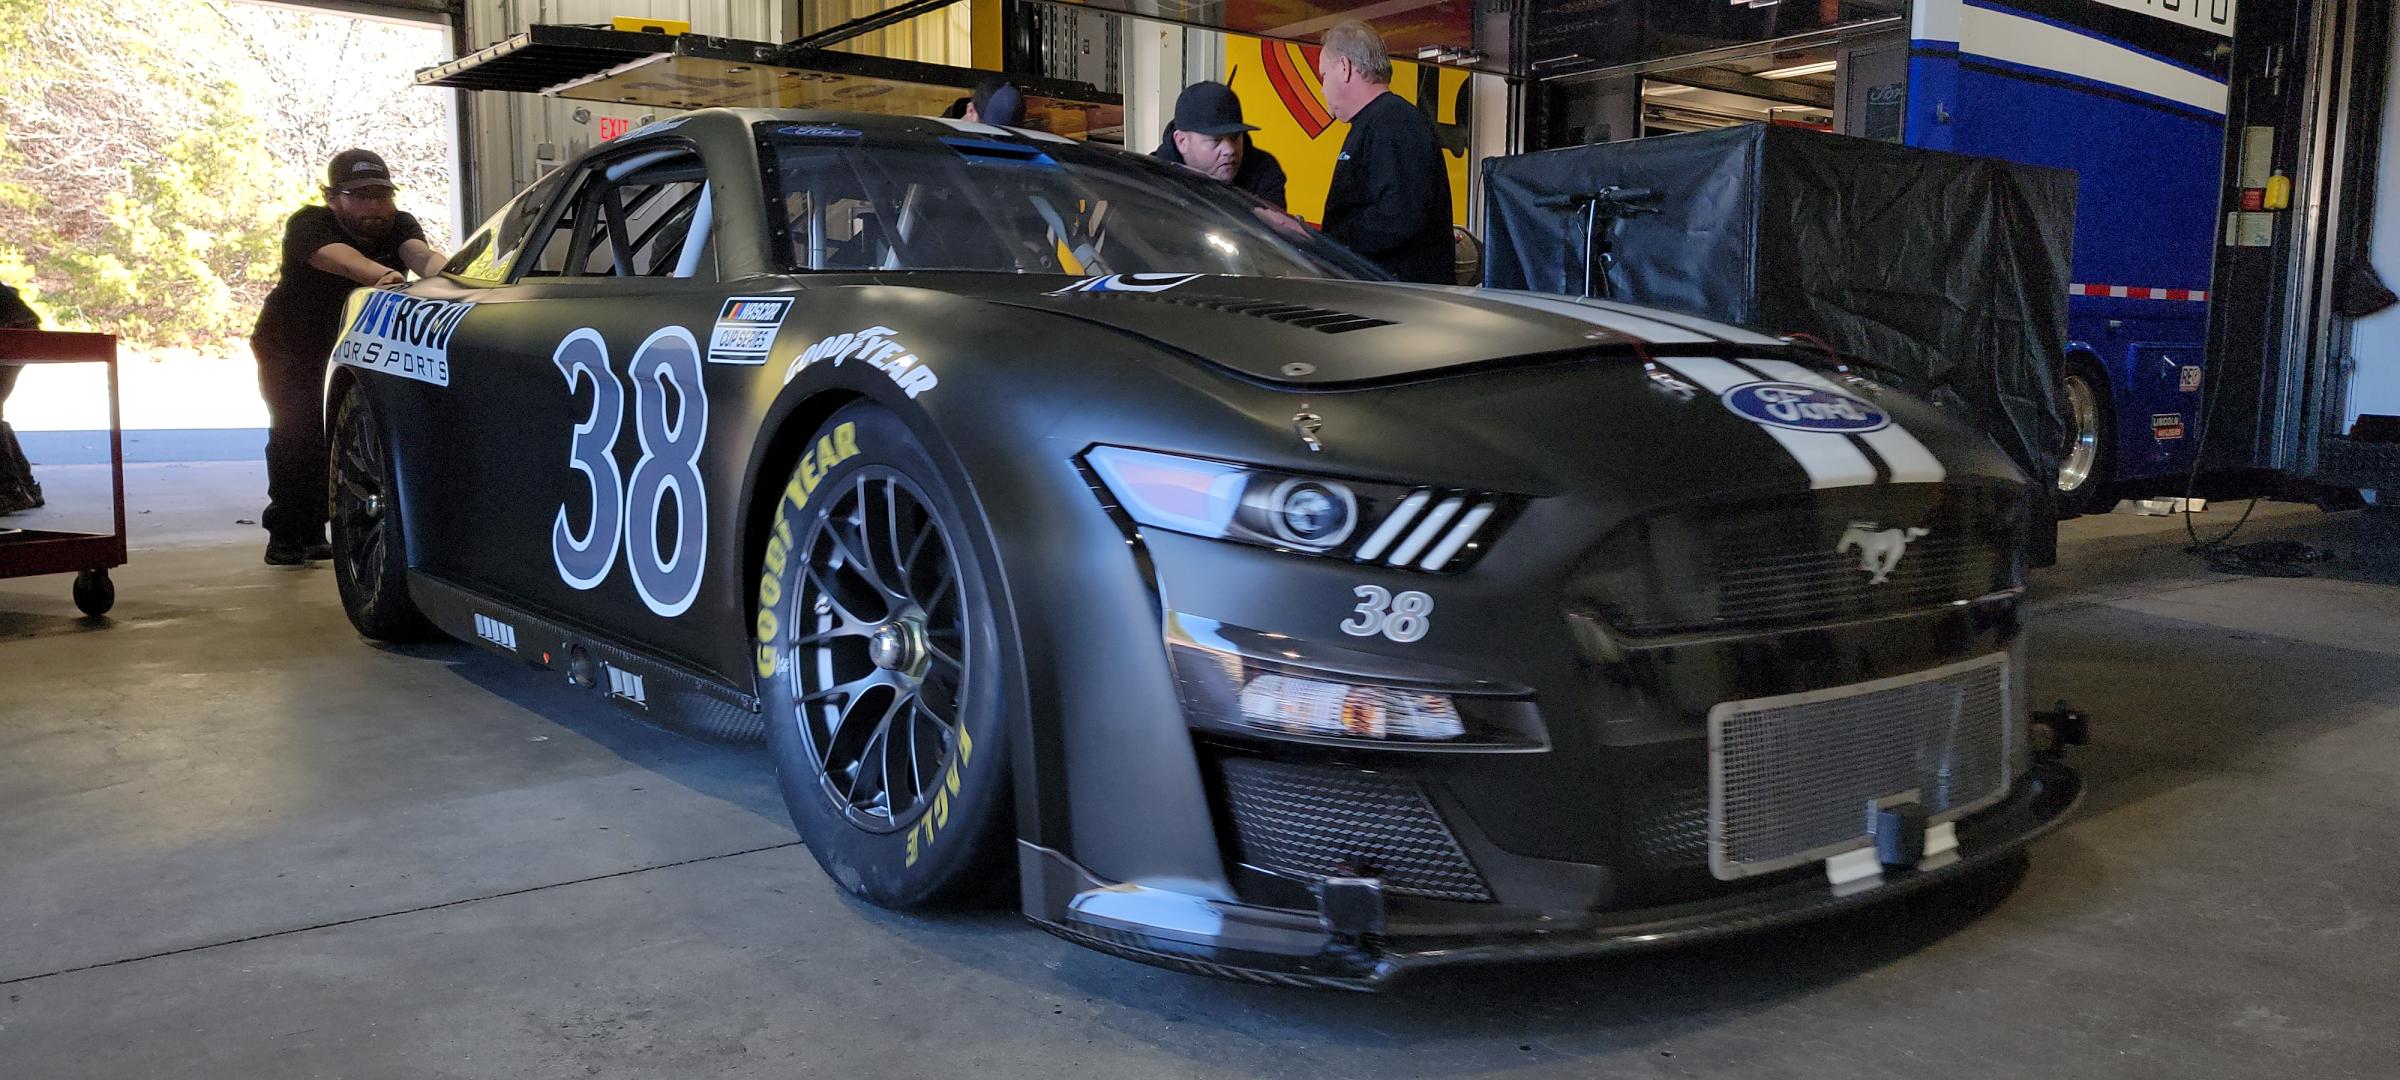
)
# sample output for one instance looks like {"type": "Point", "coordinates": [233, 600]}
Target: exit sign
{"type": "Point", "coordinates": [612, 126]}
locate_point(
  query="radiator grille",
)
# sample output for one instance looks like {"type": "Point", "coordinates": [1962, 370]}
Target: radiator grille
{"type": "Point", "coordinates": [1669, 819]}
{"type": "Point", "coordinates": [1794, 560]}
{"type": "Point", "coordinates": [1792, 779]}
{"type": "Point", "coordinates": [1308, 821]}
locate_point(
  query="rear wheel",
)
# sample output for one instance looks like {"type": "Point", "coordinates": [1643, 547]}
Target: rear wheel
{"type": "Point", "coordinates": [884, 688]}
{"type": "Point", "coordinates": [2087, 463]}
{"type": "Point", "coordinates": [370, 554]}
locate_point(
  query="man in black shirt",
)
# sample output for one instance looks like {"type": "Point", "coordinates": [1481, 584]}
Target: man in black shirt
{"type": "Point", "coordinates": [18, 491]}
{"type": "Point", "coordinates": [1390, 199]}
{"type": "Point", "coordinates": [1208, 136]}
{"type": "Point", "coordinates": [356, 239]}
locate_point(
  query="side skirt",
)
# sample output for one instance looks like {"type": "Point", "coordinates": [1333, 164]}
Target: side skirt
{"type": "Point", "coordinates": [659, 690]}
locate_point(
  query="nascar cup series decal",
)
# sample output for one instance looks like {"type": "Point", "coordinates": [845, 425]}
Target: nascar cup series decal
{"type": "Point", "coordinates": [746, 328]}
{"type": "Point", "coordinates": [873, 346]}
{"type": "Point", "coordinates": [1130, 283]}
{"type": "Point", "coordinates": [1801, 407]}
{"type": "Point", "coordinates": [403, 335]}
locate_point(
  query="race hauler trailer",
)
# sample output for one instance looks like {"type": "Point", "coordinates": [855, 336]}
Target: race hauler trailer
{"type": "Point", "coordinates": [2130, 94]}
{"type": "Point", "coordinates": [2307, 333]}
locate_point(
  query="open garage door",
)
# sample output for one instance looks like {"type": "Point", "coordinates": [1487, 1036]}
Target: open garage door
{"type": "Point", "coordinates": [438, 12]}
{"type": "Point", "coordinates": [693, 71]}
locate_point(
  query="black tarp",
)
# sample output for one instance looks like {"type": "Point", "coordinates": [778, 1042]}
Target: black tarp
{"type": "Point", "coordinates": [1946, 270]}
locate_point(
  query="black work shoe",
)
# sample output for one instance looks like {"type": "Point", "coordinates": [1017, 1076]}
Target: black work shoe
{"type": "Point", "coordinates": [286, 553]}
{"type": "Point", "coordinates": [18, 495]}
{"type": "Point", "coordinates": [319, 551]}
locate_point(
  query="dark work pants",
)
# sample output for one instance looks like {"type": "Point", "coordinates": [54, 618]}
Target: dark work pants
{"type": "Point", "coordinates": [293, 383]}
{"type": "Point", "coordinates": [12, 459]}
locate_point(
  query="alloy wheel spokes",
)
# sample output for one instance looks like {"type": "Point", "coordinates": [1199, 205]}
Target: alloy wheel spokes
{"type": "Point", "coordinates": [878, 675]}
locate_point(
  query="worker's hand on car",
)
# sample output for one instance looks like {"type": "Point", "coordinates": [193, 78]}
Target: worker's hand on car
{"type": "Point", "coordinates": [391, 279]}
{"type": "Point", "coordinates": [1288, 224]}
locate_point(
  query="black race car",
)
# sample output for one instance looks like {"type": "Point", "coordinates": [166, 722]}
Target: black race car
{"type": "Point", "coordinates": [1069, 521]}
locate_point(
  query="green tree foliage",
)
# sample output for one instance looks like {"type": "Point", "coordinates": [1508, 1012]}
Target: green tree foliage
{"type": "Point", "coordinates": [146, 168]}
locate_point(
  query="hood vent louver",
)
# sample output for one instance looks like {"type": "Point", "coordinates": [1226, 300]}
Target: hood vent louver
{"type": "Point", "coordinates": [1321, 320]}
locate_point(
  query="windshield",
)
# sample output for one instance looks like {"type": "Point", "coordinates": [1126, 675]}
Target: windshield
{"type": "Point", "coordinates": [969, 203]}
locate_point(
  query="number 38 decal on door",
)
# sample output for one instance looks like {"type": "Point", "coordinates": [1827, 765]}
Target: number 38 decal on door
{"type": "Point", "coordinates": [627, 511]}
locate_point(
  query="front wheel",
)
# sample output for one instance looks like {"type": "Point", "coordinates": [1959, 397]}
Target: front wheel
{"type": "Point", "coordinates": [885, 690]}
{"type": "Point", "coordinates": [2087, 464]}
{"type": "Point", "coordinates": [370, 554]}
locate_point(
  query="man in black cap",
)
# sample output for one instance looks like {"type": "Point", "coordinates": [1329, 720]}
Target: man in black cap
{"type": "Point", "coordinates": [997, 102]}
{"type": "Point", "coordinates": [1208, 136]}
{"type": "Point", "coordinates": [356, 239]}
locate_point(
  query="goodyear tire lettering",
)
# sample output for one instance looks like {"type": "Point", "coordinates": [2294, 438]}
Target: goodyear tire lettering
{"type": "Point", "coordinates": [830, 450]}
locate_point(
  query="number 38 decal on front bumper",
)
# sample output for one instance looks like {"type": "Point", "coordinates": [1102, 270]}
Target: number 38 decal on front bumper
{"type": "Point", "coordinates": [670, 462]}
{"type": "Point", "coordinates": [1403, 618]}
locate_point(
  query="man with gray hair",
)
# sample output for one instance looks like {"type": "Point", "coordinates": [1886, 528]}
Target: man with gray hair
{"type": "Point", "coordinates": [1390, 199]}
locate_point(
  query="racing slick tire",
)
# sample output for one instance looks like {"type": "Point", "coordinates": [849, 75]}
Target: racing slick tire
{"type": "Point", "coordinates": [370, 550]}
{"type": "Point", "coordinates": [2087, 463]}
{"type": "Point", "coordinates": [884, 686]}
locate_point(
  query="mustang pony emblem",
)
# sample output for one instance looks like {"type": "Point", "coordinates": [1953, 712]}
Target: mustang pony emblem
{"type": "Point", "coordinates": [1879, 550]}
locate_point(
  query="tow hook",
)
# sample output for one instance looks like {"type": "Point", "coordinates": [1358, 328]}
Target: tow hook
{"type": "Point", "coordinates": [2057, 729]}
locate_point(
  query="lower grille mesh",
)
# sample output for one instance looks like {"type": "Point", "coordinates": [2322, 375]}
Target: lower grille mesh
{"type": "Point", "coordinates": [1792, 779]}
{"type": "Point", "coordinates": [1315, 822]}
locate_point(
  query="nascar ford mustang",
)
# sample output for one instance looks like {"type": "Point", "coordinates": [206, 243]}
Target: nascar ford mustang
{"type": "Point", "coordinates": [1068, 521]}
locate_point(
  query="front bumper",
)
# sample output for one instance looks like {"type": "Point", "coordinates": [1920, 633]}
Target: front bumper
{"type": "Point", "coordinates": [1229, 939]}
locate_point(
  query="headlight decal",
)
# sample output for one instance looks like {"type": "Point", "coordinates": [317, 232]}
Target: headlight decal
{"type": "Point", "coordinates": [1417, 528]}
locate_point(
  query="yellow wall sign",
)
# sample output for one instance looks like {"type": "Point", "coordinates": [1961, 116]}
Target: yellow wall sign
{"type": "Point", "coordinates": [1277, 82]}
{"type": "Point", "coordinates": [638, 25]}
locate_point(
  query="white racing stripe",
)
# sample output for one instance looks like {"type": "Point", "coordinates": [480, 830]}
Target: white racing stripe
{"type": "Point", "coordinates": [1909, 460]}
{"type": "Point", "coordinates": [1628, 323]}
{"type": "Point", "coordinates": [1830, 459]}
{"type": "Point", "coordinates": [1728, 331]}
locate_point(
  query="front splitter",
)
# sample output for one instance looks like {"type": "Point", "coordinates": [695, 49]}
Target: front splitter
{"type": "Point", "coordinates": [1251, 944]}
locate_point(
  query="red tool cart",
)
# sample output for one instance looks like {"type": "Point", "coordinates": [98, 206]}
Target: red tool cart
{"type": "Point", "coordinates": [25, 552]}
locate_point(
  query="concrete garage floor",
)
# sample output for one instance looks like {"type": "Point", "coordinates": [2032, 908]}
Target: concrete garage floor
{"type": "Point", "coordinates": [237, 842]}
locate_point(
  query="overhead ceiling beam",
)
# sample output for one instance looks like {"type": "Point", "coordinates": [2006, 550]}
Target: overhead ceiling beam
{"type": "Point", "coordinates": [1832, 35]}
{"type": "Point", "coordinates": [1787, 91]}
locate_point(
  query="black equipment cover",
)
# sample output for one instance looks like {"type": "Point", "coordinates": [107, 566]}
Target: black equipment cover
{"type": "Point", "coordinates": [1947, 270]}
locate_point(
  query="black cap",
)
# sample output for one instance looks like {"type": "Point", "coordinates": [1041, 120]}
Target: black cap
{"type": "Point", "coordinates": [999, 103]}
{"type": "Point", "coordinates": [354, 171]}
{"type": "Point", "coordinates": [1209, 108]}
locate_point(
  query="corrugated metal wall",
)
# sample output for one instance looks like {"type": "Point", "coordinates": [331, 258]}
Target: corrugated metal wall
{"type": "Point", "coordinates": [943, 37]}
{"type": "Point", "coordinates": [512, 139]}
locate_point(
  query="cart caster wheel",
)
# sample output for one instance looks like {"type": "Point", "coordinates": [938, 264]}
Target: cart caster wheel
{"type": "Point", "coordinates": [94, 593]}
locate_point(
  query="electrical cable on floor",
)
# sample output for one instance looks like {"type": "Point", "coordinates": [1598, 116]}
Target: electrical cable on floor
{"type": "Point", "coordinates": [2266, 558]}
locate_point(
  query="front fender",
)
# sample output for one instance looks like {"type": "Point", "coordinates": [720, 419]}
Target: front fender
{"type": "Point", "coordinates": [1097, 726]}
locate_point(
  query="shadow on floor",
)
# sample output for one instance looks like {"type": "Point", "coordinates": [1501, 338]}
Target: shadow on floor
{"type": "Point", "coordinates": [739, 774]}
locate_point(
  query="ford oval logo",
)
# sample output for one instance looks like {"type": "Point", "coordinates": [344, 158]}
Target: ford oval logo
{"type": "Point", "coordinates": [1801, 407]}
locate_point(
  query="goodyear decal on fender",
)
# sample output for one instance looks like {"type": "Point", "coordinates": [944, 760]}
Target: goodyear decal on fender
{"type": "Point", "coordinates": [873, 346]}
{"type": "Point", "coordinates": [746, 328]}
{"type": "Point", "coordinates": [2168, 425]}
{"type": "Point", "coordinates": [831, 449]}
{"type": "Point", "coordinates": [403, 335]}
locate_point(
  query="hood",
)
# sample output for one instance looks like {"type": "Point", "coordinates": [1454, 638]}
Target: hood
{"type": "Point", "coordinates": [1322, 332]}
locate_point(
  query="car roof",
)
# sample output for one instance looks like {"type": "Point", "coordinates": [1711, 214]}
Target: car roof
{"type": "Point", "coordinates": [872, 125]}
